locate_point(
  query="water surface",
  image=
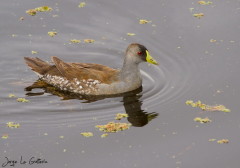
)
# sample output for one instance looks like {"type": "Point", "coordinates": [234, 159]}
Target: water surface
{"type": "Point", "coordinates": [192, 66]}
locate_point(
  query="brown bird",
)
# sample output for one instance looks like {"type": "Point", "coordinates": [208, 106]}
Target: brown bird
{"type": "Point", "coordinates": [94, 79]}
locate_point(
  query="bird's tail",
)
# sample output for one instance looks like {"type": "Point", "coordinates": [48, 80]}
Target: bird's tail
{"type": "Point", "coordinates": [37, 65]}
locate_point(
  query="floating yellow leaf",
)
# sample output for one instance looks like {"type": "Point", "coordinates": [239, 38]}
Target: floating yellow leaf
{"type": "Point", "coordinates": [13, 125]}
{"type": "Point", "coordinates": [202, 120]}
{"type": "Point", "coordinates": [5, 136]}
{"type": "Point", "coordinates": [23, 100]}
{"type": "Point", "coordinates": [113, 127]}
{"type": "Point", "coordinates": [52, 33]}
{"type": "Point", "coordinates": [34, 52]}
{"type": "Point", "coordinates": [222, 141]}
{"type": "Point", "coordinates": [75, 41]}
{"type": "Point", "coordinates": [89, 41]}
{"type": "Point", "coordinates": [11, 95]}
{"type": "Point", "coordinates": [87, 134]}
{"type": "Point", "coordinates": [104, 135]}
{"type": "Point", "coordinates": [143, 21]}
{"type": "Point", "coordinates": [131, 34]}
{"type": "Point", "coordinates": [198, 15]}
{"type": "Point", "coordinates": [82, 4]}
{"type": "Point", "coordinates": [204, 2]}
{"type": "Point", "coordinates": [119, 116]}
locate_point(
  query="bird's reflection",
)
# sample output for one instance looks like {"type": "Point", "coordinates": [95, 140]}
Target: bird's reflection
{"type": "Point", "coordinates": [131, 101]}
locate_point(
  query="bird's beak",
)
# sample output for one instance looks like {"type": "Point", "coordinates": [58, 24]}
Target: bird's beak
{"type": "Point", "coordinates": [150, 59]}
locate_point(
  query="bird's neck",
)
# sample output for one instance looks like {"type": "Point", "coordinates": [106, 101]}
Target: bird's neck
{"type": "Point", "coordinates": [130, 71]}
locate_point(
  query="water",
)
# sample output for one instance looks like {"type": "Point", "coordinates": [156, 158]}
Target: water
{"type": "Point", "coordinates": [163, 132]}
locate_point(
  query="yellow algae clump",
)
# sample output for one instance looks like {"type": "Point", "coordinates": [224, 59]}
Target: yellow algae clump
{"type": "Point", "coordinates": [23, 100]}
{"type": "Point", "coordinates": [207, 107]}
{"type": "Point", "coordinates": [87, 134]}
{"type": "Point", "coordinates": [113, 127]}
{"type": "Point", "coordinates": [198, 15]}
{"type": "Point", "coordinates": [31, 12]}
{"type": "Point", "coordinates": [143, 21]}
{"type": "Point", "coordinates": [11, 95]}
{"type": "Point", "coordinates": [119, 116]}
{"type": "Point", "coordinates": [89, 41]}
{"type": "Point", "coordinates": [204, 2]}
{"type": "Point", "coordinates": [104, 135]}
{"type": "Point", "coordinates": [212, 40]}
{"type": "Point", "coordinates": [202, 120]}
{"type": "Point", "coordinates": [34, 52]}
{"type": "Point", "coordinates": [131, 34]}
{"type": "Point", "coordinates": [223, 141]}
{"type": "Point", "coordinates": [43, 9]}
{"type": "Point", "coordinates": [5, 136]}
{"type": "Point", "coordinates": [52, 33]}
{"type": "Point", "coordinates": [212, 140]}
{"type": "Point", "coordinates": [82, 4]}
{"type": "Point", "coordinates": [75, 41]}
{"type": "Point", "coordinates": [13, 125]}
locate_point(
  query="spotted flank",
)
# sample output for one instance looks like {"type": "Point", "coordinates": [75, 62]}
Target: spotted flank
{"type": "Point", "coordinates": [89, 86]}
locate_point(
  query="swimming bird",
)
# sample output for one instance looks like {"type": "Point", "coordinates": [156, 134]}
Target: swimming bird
{"type": "Point", "coordinates": [94, 79]}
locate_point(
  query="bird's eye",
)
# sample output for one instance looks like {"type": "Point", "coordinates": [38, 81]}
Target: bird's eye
{"type": "Point", "coordinates": [139, 53]}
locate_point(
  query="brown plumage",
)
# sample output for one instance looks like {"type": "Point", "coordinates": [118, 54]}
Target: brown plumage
{"type": "Point", "coordinates": [70, 71]}
{"type": "Point", "coordinates": [93, 79]}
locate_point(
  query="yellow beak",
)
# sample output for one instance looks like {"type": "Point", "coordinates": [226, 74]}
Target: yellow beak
{"type": "Point", "coordinates": [150, 59]}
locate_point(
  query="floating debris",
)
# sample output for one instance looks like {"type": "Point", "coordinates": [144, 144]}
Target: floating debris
{"type": "Point", "coordinates": [212, 140]}
{"type": "Point", "coordinates": [198, 15]}
{"type": "Point", "coordinates": [45, 134]}
{"type": "Point", "coordinates": [131, 34]}
{"type": "Point", "coordinates": [21, 18]}
{"type": "Point", "coordinates": [205, 107]}
{"type": "Point", "coordinates": [23, 100]}
{"type": "Point", "coordinates": [119, 116]}
{"type": "Point", "coordinates": [34, 52]}
{"type": "Point", "coordinates": [143, 21]}
{"type": "Point", "coordinates": [113, 127]}
{"type": "Point", "coordinates": [33, 12]}
{"type": "Point", "coordinates": [75, 41]}
{"type": "Point", "coordinates": [212, 40]}
{"type": "Point", "coordinates": [204, 2]}
{"type": "Point", "coordinates": [82, 4]}
{"type": "Point", "coordinates": [202, 120]}
{"type": "Point", "coordinates": [13, 125]}
{"type": "Point", "coordinates": [61, 137]}
{"type": "Point", "coordinates": [11, 95]}
{"type": "Point", "coordinates": [87, 134]}
{"type": "Point", "coordinates": [191, 9]}
{"type": "Point", "coordinates": [5, 136]}
{"type": "Point", "coordinates": [223, 141]}
{"type": "Point", "coordinates": [104, 135]}
{"type": "Point", "coordinates": [89, 41]}
{"type": "Point", "coordinates": [43, 9]}
{"type": "Point", "coordinates": [52, 33]}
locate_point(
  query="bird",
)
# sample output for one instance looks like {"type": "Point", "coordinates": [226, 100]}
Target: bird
{"type": "Point", "coordinates": [93, 79]}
